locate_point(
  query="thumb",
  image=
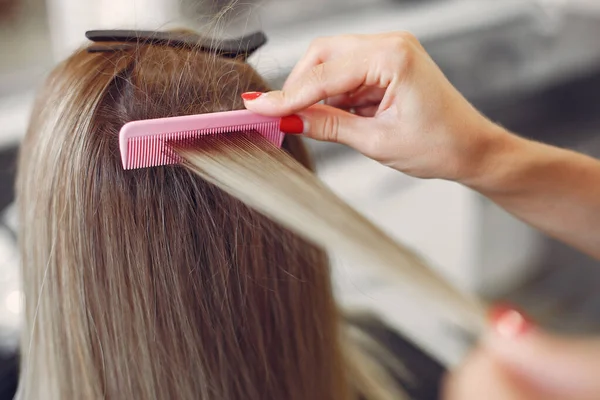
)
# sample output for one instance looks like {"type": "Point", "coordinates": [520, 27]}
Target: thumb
{"type": "Point", "coordinates": [330, 124]}
{"type": "Point", "coordinates": [564, 367]}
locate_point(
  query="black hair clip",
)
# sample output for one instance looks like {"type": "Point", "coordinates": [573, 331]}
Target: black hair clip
{"type": "Point", "coordinates": [242, 47]}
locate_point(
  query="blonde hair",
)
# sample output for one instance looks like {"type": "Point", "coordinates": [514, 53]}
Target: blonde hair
{"type": "Point", "coordinates": [156, 283]}
{"type": "Point", "coordinates": [294, 197]}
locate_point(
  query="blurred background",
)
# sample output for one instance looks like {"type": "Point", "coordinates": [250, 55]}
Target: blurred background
{"type": "Point", "coordinates": [532, 65]}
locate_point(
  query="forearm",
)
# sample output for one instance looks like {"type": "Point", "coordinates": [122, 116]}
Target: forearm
{"type": "Point", "coordinates": [552, 189]}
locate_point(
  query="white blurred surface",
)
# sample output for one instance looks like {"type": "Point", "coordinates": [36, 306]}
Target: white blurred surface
{"type": "Point", "coordinates": [10, 293]}
{"type": "Point", "coordinates": [15, 110]}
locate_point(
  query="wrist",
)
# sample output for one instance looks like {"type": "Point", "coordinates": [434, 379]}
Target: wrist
{"type": "Point", "coordinates": [492, 158]}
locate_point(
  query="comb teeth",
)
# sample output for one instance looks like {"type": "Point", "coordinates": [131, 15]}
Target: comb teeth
{"type": "Point", "coordinates": [152, 150]}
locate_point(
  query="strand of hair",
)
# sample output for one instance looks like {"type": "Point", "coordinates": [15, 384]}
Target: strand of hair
{"type": "Point", "coordinates": [290, 195]}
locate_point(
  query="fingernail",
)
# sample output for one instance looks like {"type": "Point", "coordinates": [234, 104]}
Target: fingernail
{"type": "Point", "coordinates": [509, 322]}
{"type": "Point", "coordinates": [292, 124]}
{"type": "Point", "coordinates": [251, 95]}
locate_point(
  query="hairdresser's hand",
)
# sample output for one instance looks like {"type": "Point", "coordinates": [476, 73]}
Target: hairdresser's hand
{"type": "Point", "coordinates": [517, 362]}
{"type": "Point", "coordinates": [406, 113]}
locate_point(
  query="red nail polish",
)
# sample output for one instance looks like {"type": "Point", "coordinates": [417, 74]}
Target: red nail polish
{"type": "Point", "coordinates": [509, 322]}
{"type": "Point", "coordinates": [251, 95]}
{"type": "Point", "coordinates": [292, 124]}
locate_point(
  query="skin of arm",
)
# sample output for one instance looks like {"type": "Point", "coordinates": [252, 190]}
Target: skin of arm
{"type": "Point", "coordinates": [553, 189]}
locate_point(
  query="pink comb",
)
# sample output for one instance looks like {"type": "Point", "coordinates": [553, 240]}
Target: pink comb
{"type": "Point", "coordinates": [143, 143]}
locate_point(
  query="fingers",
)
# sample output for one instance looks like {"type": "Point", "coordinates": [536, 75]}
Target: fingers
{"type": "Point", "coordinates": [322, 50]}
{"type": "Point", "coordinates": [531, 365]}
{"type": "Point", "coordinates": [368, 111]}
{"type": "Point", "coordinates": [481, 377]}
{"type": "Point", "coordinates": [563, 366]}
{"type": "Point", "coordinates": [330, 124]}
{"type": "Point", "coordinates": [363, 97]}
{"type": "Point", "coordinates": [318, 52]}
{"type": "Point", "coordinates": [326, 71]}
{"type": "Point", "coordinates": [323, 81]}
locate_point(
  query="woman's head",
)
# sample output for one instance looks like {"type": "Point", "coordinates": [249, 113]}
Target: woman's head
{"type": "Point", "coordinates": [153, 283]}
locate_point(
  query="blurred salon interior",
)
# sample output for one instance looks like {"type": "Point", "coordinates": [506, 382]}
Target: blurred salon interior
{"type": "Point", "coordinates": [531, 65]}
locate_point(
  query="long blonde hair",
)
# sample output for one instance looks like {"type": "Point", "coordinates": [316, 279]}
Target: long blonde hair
{"type": "Point", "coordinates": [154, 283]}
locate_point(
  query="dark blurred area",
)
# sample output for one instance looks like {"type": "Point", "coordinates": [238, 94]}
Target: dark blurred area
{"type": "Point", "coordinates": [531, 65]}
{"type": "Point", "coordinates": [8, 8]}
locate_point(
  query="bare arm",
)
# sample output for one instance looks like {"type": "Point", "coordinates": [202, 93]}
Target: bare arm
{"type": "Point", "coordinates": [553, 189]}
